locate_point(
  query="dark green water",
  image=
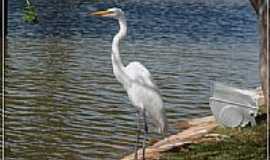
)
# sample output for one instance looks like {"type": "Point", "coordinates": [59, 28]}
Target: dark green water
{"type": "Point", "coordinates": [62, 100]}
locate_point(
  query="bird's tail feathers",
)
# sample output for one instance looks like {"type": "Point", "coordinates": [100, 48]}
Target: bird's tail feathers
{"type": "Point", "coordinates": [163, 126]}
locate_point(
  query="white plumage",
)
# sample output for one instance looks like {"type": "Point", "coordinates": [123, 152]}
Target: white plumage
{"type": "Point", "coordinates": [144, 94]}
{"type": "Point", "coordinates": [136, 79]}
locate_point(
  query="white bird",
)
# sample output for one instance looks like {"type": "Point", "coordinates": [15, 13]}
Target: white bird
{"type": "Point", "coordinates": [137, 81]}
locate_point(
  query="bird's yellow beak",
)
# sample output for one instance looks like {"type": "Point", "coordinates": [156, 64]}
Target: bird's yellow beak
{"type": "Point", "coordinates": [100, 13]}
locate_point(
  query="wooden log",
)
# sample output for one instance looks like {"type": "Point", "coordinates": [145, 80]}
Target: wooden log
{"type": "Point", "coordinates": [197, 129]}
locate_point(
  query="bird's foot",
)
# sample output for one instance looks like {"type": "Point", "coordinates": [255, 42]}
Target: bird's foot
{"type": "Point", "coordinates": [136, 154]}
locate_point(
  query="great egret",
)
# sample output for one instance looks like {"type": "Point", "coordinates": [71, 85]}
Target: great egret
{"type": "Point", "coordinates": [137, 81]}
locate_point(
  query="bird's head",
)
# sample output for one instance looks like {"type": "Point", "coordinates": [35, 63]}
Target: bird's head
{"type": "Point", "coordinates": [111, 12]}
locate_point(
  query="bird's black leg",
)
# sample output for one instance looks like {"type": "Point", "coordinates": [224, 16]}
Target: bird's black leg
{"type": "Point", "coordinates": [145, 133]}
{"type": "Point", "coordinates": [137, 135]}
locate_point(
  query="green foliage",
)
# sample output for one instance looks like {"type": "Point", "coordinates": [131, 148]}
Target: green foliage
{"type": "Point", "coordinates": [30, 14]}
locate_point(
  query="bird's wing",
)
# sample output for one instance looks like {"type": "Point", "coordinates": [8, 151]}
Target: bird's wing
{"type": "Point", "coordinates": [151, 101]}
{"type": "Point", "coordinates": [137, 72]}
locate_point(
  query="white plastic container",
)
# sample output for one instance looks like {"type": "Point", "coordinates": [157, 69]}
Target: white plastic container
{"type": "Point", "coordinates": [233, 107]}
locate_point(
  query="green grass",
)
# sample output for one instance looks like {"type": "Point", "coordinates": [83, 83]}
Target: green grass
{"type": "Point", "coordinates": [248, 143]}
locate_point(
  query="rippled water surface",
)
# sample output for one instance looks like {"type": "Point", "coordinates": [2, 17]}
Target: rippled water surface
{"type": "Point", "coordinates": [62, 100]}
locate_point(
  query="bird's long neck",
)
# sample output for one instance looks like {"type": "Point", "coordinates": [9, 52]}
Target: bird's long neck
{"type": "Point", "coordinates": [118, 67]}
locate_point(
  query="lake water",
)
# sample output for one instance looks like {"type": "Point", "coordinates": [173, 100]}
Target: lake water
{"type": "Point", "coordinates": [62, 100]}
